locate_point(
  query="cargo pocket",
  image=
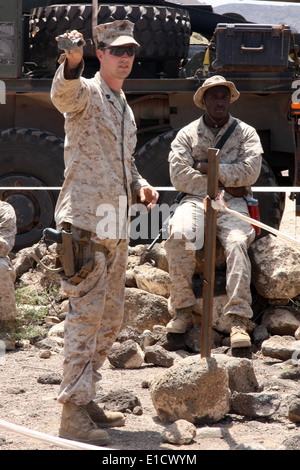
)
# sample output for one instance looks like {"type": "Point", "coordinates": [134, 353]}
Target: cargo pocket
{"type": "Point", "coordinates": [89, 282]}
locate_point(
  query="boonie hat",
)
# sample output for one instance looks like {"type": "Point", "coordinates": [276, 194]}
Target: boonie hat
{"type": "Point", "coordinates": [117, 33]}
{"type": "Point", "coordinates": [216, 80]}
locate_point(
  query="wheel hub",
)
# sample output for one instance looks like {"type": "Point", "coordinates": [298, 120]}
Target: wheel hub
{"type": "Point", "coordinates": [34, 209]}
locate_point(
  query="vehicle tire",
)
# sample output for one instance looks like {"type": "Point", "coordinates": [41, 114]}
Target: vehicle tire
{"type": "Point", "coordinates": [120, 2]}
{"type": "Point", "coordinates": [152, 163]}
{"type": "Point", "coordinates": [30, 157]}
{"type": "Point", "coordinates": [162, 32]}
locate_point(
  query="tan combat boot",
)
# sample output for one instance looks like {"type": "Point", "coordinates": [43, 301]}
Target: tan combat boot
{"type": "Point", "coordinates": [239, 337]}
{"type": "Point", "coordinates": [182, 321]}
{"type": "Point", "coordinates": [103, 418]}
{"type": "Point", "coordinates": [76, 425]}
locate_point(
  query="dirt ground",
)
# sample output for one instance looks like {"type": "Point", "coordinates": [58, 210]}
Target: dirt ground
{"type": "Point", "coordinates": [27, 403]}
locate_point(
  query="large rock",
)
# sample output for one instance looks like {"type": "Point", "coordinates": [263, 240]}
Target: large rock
{"type": "Point", "coordinates": [158, 356]}
{"type": "Point", "coordinates": [241, 373]}
{"type": "Point", "coordinates": [152, 279]}
{"type": "Point", "coordinates": [255, 405]}
{"type": "Point", "coordinates": [192, 339]}
{"type": "Point", "coordinates": [57, 330]}
{"type": "Point", "coordinates": [24, 261]}
{"type": "Point", "coordinates": [280, 321]}
{"type": "Point", "coordinates": [193, 389]}
{"type": "Point", "coordinates": [281, 347]}
{"type": "Point", "coordinates": [127, 355]}
{"type": "Point", "coordinates": [294, 411]}
{"type": "Point", "coordinates": [143, 310]}
{"type": "Point", "coordinates": [157, 256]}
{"type": "Point", "coordinates": [118, 400]}
{"type": "Point", "coordinates": [276, 268]}
{"type": "Point", "coordinates": [291, 443]}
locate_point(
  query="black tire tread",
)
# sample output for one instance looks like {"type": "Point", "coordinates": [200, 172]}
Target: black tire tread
{"type": "Point", "coordinates": [163, 33]}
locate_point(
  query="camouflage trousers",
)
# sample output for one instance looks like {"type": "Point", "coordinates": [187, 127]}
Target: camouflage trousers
{"type": "Point", "coordinates": [93, 322]}
{"type": "Point", "coordinates": [7, 293]}
{"type": "Point", "coordinates": [186, 234]}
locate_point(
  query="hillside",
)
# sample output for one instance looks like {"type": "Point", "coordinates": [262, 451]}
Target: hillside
{"type": "Point", "coordinates": [265, 14]}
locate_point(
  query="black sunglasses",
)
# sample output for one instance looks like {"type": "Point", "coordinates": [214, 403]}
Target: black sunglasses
{"type": "Point", "coordinates": [121, 50]}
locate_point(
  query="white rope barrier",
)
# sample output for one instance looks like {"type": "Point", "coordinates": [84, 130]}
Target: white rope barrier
{"type": "Point", "coordinates": [275, 189]}
{"type": "Point", "coordinates": [219, 204]}
{"type": "Point", "coordinates": [259, 189]}
{"type": "Point", "coordinates": [255, 189]}
{"type": "Point", "coordinates": [31, 188]}
{"type": "Point", "coordinates": [58, 441]}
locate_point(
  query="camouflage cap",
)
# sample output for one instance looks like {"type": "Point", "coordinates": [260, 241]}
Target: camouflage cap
{"type": "Point", "coordinates": [117, 33]}
{"type": "Point", "coordinates": [216, 80]}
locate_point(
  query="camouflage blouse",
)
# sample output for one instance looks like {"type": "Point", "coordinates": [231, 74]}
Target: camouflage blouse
{"type": "Point", "coordinates": [100, 140]}
{"type": "Point", "coordinates": [239, 158]}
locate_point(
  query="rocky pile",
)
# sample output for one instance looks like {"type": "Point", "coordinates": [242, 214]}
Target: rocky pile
{"type": "Point", "coordinates": [191, 390]}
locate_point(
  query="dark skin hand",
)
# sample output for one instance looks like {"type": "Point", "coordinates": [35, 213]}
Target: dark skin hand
{"type": "Point", "coordinates": [202, 167]}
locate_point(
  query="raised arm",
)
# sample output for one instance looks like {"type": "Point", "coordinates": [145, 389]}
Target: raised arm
{"type": "Point", "coordinates": [68, 92]}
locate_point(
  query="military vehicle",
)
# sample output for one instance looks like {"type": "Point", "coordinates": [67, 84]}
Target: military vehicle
{"type": "Point", "coordinates": [182, 43]}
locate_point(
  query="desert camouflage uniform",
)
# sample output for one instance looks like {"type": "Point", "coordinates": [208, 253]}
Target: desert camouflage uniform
{"type": "Point", "coordinates": [7, 272]}
{"type": "Point", "coordinates": [239, 165]}
{"type": "Point", "coordinates": [99, 168]}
